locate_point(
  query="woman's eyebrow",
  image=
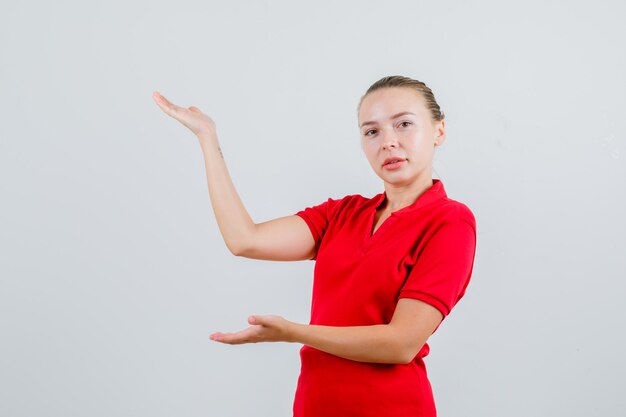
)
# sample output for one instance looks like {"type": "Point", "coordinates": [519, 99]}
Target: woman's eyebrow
{"type": "Point", "coordinates": [392, 117]}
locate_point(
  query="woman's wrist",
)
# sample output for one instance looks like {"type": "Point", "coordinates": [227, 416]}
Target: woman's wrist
{"type": "Point", "coordinates": [207, 138]}
{"type": "Point", "coordinates": [294, 331]}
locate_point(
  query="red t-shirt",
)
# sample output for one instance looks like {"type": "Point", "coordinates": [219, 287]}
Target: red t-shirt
{"type": "Point", "coordinates": [423, 251]}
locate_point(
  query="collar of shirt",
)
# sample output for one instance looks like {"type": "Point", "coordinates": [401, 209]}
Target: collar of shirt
{"type": "Point", "coordinates": [434, 193]}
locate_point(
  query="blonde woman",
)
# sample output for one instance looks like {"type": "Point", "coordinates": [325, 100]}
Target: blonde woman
{"type": "Point", "coordinates": [388, 269]}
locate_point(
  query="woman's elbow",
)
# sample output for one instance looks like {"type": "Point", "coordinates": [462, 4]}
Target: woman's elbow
{"type": "Point", "coordinates": [400, 354]}
{"type": "Point", "coordinates": [236, 249]}
{"type": "Point", "coordinates": [236, 252]}
{"type": "Point", "coordinates": [407, 352]}
{"type": "Point", "coordinates": [406, 357]}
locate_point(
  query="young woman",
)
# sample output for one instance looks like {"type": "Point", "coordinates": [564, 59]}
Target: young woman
{"type": "Point", "coordinates": [388, 269]}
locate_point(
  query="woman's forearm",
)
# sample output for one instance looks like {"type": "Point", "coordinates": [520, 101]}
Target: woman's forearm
{"type": "Point", "coordinates": [377, 343]}
{"type": "Point", "coordinates": [397, 342]}
{"type": "Point", "coordinates": [233, 220]}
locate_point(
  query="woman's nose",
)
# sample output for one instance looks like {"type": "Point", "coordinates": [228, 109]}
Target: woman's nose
{"type": "Point", "coordinates": [390, 140]}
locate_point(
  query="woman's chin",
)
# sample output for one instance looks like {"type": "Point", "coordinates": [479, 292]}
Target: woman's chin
{"type": "Point", "coordinates": [399, 177]}
{"type": "Point", "coordinates": [397, 180]}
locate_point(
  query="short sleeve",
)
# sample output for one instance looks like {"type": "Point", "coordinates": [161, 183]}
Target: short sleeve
{"type": "Point", "coordinates": [443, 269]}
{"type": "Point", "coordinates": [317, 218]}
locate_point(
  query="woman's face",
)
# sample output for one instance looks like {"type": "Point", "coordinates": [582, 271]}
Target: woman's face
{"type": "Point", "coordinates": [395, 123]}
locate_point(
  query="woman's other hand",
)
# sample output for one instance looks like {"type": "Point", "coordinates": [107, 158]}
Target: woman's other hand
{"type": "Point", "coordinates": [199, 123]}
{"type": "Point", "coordinates": [263, 329]}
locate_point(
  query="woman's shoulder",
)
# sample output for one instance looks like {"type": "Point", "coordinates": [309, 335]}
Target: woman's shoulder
{"type": "Point", "coordinates": [452, 210]}
{"type": "Point", "coordinates": [358, 201]}
{"type": "Point", "coordinates": [351, 199]}
{"type": "Point", "coordinates": [349, 204]}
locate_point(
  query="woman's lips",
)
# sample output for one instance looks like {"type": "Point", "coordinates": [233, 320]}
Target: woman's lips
{"type": "Point", "coordinates": [394, 165]}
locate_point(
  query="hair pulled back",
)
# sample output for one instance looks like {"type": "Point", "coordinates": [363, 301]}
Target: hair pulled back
{"type": "Point", "coordinates": [402, 81]}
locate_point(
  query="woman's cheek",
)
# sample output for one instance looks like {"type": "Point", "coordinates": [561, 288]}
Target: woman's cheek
{"type": "Point", "coordinates": [370, 147]}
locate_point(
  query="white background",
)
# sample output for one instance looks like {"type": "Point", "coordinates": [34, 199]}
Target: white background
{"type": "Point", "coordinates": [112, 269]}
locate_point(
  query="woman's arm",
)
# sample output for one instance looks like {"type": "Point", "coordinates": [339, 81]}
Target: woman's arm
{"type": "Point", "coordinates": [286, 238]}
{"type": "Point", "coordinates": [283, 239]}
{"type": "Point", "coordinates": [397, 342]}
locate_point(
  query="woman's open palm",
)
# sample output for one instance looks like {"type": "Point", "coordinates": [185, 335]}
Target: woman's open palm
{"type": "Point", "coordinates": [198, 122]}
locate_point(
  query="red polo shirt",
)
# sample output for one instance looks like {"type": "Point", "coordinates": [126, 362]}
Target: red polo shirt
{"type": "Point", "coordinates": [423, 251]}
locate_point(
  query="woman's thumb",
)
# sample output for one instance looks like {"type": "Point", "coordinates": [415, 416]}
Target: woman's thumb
{"type": "Point", "coordinates": [194, 109]}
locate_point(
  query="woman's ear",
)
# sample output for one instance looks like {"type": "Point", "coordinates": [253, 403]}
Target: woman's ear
{"type": "Point", "coordinates": [440, 133]}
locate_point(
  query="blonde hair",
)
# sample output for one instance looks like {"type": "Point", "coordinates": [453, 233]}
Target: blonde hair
{"type": "Point", "coordinates": [402, 81]}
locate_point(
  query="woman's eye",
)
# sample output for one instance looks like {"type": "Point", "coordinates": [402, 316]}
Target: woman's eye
{"type": "Point", "coordinates": [369, 131]}
{"type": "Point", "coordinates": [405, 123]}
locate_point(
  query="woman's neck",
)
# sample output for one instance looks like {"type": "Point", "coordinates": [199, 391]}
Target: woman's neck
{"type": "Point", "coordinates": [399, 197]}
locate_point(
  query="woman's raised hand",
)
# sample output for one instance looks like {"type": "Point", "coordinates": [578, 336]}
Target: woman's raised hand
{"type": "Point", "coordinates": [199, 123]}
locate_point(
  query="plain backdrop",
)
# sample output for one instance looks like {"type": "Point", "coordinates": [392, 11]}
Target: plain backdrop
{"type": "Point", "coordinates": [113, 272]}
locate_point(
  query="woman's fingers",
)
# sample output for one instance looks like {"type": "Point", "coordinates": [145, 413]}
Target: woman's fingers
{"type": "Point", "coordinates": [192, 117]}
{"type": "Point", "coordinates": [243, 336]}
{"type": "Point", "coordinates": [268, 328]}
{"type": "Point", "coordinates": [164, 103]}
